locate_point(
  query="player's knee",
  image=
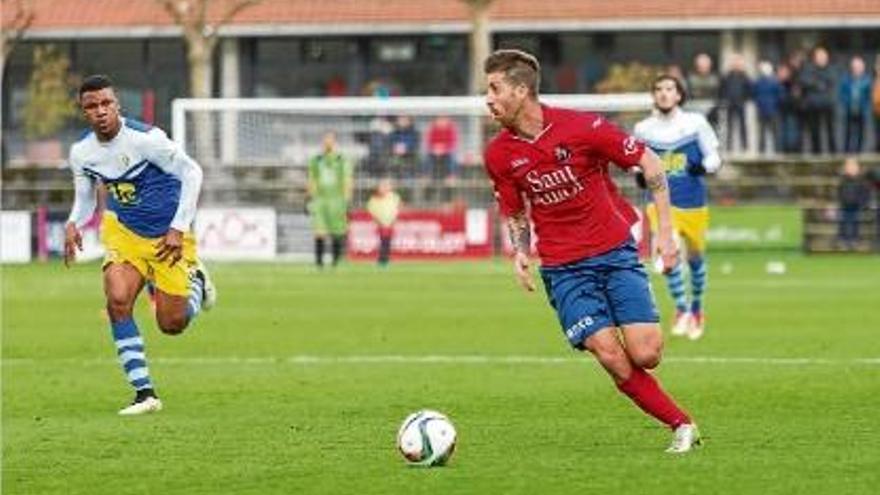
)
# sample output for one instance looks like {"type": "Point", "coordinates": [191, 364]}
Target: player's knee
{"type": "Point", "coordinates": [611, 357]}
{"type": "Point", "coordinates": [118, 307]}
{"type": "Point", "coordinates": [647, 357]}
{"type": "Point", "coordinates": [172, 325]}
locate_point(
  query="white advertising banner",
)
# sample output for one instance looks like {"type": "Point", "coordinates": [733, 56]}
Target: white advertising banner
{"type": "Point", "coordinates": [15, 237]}
{"type": "Point", "coordinates": [236, 233]}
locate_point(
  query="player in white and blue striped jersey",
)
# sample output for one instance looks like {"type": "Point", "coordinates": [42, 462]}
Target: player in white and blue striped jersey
{"type": "Point", "coordinates": [152, 189]}
{"type": "Point", "coordinates": [688, 147]}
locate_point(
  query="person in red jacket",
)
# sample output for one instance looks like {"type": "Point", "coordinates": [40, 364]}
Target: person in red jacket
{"type": "Point", "coordinates": [442, 137]}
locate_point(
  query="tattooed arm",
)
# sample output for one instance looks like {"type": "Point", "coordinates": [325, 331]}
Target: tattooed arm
{"type": "Point", "coordinates": [655, 180]}
{"type": "Point", "coordinates": [520, 231]}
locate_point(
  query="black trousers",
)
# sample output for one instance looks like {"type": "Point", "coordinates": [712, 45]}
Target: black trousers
{"type": "Point", "coordinates": [819, 120]}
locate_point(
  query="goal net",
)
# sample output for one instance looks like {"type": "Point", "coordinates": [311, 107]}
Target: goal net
{"type": "Point", "coordinates": [287, 131]}
{"type": "Point", "coordinates": [255, 151]}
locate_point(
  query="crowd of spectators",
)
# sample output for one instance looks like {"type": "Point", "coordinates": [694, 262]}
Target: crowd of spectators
{"type": "Point", "coordinates": [397, 149]}
{"type": "Point", "coordinates": [804, 104]}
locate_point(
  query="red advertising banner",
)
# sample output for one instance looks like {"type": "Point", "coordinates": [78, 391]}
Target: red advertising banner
{"type": "Point", "coordinates": [425, 234]}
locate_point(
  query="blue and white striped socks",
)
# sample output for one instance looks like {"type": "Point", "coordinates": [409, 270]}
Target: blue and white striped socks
{"type": "Point", "coordinates": [698, 282]}
{"type": "Point", "coordinates": [130, 349]}
{"type": "Point", "coordinates": [675, 282]}
{"type": "Point", "coordinates": [196, 291]}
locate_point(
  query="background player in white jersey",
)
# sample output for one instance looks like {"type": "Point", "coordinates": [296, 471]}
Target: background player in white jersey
{"type": "Point", "coordinates": [688, 147]}
{"type": "Point", "coordinates": [152, 189]}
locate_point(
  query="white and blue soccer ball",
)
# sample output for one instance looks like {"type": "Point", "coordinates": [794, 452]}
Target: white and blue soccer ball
{"type": "Point", "coordinates": [426, 438]}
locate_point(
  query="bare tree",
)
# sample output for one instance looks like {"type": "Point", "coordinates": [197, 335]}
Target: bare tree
{"type": "Point", "coordinates": [16, 21]}
{"type": "Point", "coordinates": [201, 36]}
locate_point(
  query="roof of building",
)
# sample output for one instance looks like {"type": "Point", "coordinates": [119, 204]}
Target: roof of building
{"type": "Point", "coordinates": [126, 18]}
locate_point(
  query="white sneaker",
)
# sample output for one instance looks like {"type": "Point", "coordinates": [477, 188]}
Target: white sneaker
{"type": "Point", "coordinates": [209, 290]}
{"type": "Point", "coordinates": [148, 405]}
{"type": "Point", "coordinates": [685, 438]}
{"type": "Point", "coordinates": [682, 323]}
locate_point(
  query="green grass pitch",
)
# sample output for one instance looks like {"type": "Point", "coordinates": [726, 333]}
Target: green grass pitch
{"type": "Point", "coordinates": [297, 382]}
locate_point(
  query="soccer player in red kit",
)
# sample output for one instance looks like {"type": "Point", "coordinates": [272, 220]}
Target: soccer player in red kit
{"type": "Point", "coordinates": [552, 164]}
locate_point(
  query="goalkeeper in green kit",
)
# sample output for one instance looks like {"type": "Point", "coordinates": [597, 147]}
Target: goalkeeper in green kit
{"type": "Point", "coordinates": [329, 188]}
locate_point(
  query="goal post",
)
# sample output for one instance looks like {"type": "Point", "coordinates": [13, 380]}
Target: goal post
{"type": "Point", "coordinates": [262, 120]}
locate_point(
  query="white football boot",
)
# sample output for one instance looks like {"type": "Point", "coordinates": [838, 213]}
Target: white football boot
{"type": "Point", "coordinates": [209, 290]}
{"type": "Point", "coordinates": [685, 438]}
{"type": "Point", "coordinates": [682, 323]}
{"type": "Point", "coordinates": [144, 406]}
{"type": "Point", "coordinates": [695, 330]}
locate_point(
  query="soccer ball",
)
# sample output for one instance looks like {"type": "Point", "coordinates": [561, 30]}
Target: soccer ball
{"type": "Point", "coordinates": [426, 438]}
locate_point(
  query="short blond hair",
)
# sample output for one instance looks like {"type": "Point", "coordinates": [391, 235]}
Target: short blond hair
{"type": "Point", "coordinates": [519, 67]}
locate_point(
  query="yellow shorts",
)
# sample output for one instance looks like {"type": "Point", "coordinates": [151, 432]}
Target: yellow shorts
{"type": "Point", "coordinates": [690, 224]}
{"type": "Point", "coordinates": [125, 246]}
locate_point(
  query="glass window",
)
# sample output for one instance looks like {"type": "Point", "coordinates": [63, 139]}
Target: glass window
{"type": "Point", "coordinates": [274, 59]}
{"type": "Point", "coordinates": [684, 46]}
{"type": "Point", "coordinates": [304, 67]}
{"type": "Point", "coordinates": [528, 42]}
{"type": "Point", "coordinates": [123, 61]}
{"type": "Point", "coordinates": [330, 50]}
{"type": "Point", "coordinates": [639, 46]}
{"type": "Point", "coordinates": [167, 78]}
{"type": "Point", "coordinates": [417, 66]}
{"type": "Point", "coordinates": [15, 79]}
{"type": "Point", "coordinates": [391, 51]}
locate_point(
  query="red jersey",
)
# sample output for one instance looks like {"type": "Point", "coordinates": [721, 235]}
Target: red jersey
{"type": "Point", "coordinates": [563, 175]}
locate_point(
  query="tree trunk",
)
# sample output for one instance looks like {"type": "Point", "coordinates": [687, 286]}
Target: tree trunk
{"type": "Point", "coordinates": [203, 147]}
{"type": "Point", "coordinates": [481, 44]}
{"type": "Point", "coordinates": [480, 47]}
{"type": "Point", "coordinates": [199, 56]}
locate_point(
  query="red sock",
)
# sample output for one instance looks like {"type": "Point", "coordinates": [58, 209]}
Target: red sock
{"type": "Point", "coordinates": [644, 390]}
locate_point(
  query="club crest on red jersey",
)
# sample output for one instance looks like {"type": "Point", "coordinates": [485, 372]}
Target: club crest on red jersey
{"type": "Point", "coordinates": [563, 154]}
{"type": "Point", "coordinates": [630, 146]}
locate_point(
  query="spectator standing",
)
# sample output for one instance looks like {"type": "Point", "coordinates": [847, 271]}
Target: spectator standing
{"type": "Point", "coordinates": [789, 109]}
{"type": "Point", "coordinates": [875, 103]}
{"type": "Point", "coordinates": [768, 95]}
{"type": "Point", "coordinates": [796, 61]}
{"type": "Point", "coordinates": [404, 147]}
{"type": "Point", "coordinates": [379, 145]}
{"type": "Point", "coordinates": [873, 178]}
{"type": "Point", "coordinates": [855, 99]}
{"type": "Point", "coordinates": [853, 195]}
{"type": "Point", "coordinates": [817, 86]}
{"type": "Point", "coordinates": [703, 84]}
{"type": "Point", "coordinates": [736, 89]}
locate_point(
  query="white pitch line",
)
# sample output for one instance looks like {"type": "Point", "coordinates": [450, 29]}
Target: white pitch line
{"type": "Point", "coordinates": [445, 359]}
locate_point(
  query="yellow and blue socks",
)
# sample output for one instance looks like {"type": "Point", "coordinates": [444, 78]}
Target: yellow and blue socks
{"type": "Point", "coordinates": [130, 350]}
{"type": "Point", "coordinates": [698, 283]}
{"type": "Point", "coordinates": [675, 282]}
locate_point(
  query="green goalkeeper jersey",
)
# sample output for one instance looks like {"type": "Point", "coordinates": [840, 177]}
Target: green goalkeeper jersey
{"type": "Point", "coordinates": [329, 176]}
